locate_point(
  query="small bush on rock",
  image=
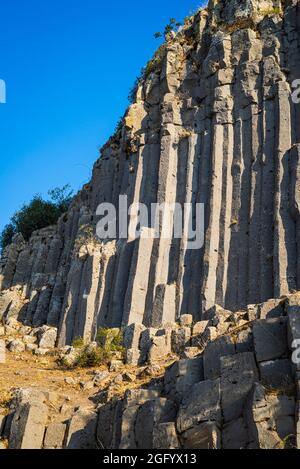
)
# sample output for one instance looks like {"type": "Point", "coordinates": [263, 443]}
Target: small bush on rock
{"type": "Point", "coordinates": [38, 214]}
{"type": "Point", "coordinates": [91, 357]}
{"type": "Point", "coordinates": [109, 344]}
{"type": "Point", "coordinates": [78, 342]}
{"type": "Point", "coordinates": [111, 340]}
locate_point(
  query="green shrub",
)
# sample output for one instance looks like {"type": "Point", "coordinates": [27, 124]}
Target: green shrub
{"type": "Point", "coordinates": [37, 214]}
{"type": "Point", "coordinates": [133, 91]}
{"type": "Point", "coordinates": [109, 344]}
{"type": "Point", "coordinates": [61, 197]}
{"type": "Point", "coordinates": [78, 342]}
{"type": "Point", "coordinates": [110, 340]}
{"type": "Point", "coordinates": [119, 125]}
{"type": "Point", "coordinates": [7, 235]}
{"type": "Point", "coordinates": [173, 25]}
{"type": "Point", "coordinates": [270, 11]}
{"type": "Point", "coordinates": [91, 357]}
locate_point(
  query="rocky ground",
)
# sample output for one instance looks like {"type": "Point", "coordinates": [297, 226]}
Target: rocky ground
{"type": "Point", "coordinates": [213, 119]}
{"type": "Point", "coordinates": [230, 381]}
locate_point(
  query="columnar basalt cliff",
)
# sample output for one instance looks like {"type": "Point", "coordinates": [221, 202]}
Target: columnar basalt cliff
{"type": "Point", "coordinates": [213, 122]}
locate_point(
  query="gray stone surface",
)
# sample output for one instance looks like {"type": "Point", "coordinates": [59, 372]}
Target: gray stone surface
{"type": "Point", "coordinates": [181, 338]}
{"type": "Point", "coordinates": [28, 426]}
{"type": "Point", "coordinates": [213, 122]}
{"type": "Point", "coordinates": [270, 339]}
{"type": "Point", "coordinates": [150, 415]}
{"type": "Point", "coordinates": [47, 337]}
{"type": "Point", "coordinates": [186, 320]}
{"type": "Point", "coordinates": [235, 435]}
{"type": "Point", "coordinates": [270, 419]}
{"type": "Point", "coordinates": [200, 327]}
{"type": "Point", "coordinates": [200, 404]}
{"type": "Point", "coordinates": [16, 346]}
{"type": "Point", "coordinates": [212, 356]}
{"type": "Point", "coordinates": [165, 436]}
{"type": "Point", "coordinates": [133, 400]}
{"type": "Point", "coordinates": [132, 336]}
{"type": "Point", "coordinates": [55, 435]}
{"type": "Point", "coordinates": [277, 374]}
{"type": "Point", "coordinates": [205, 104]}
{"type": "Point", "coordinates": [238, 375]}
{"type": "Point", "coordinates": [205, 436]}
{"type": "Point", "coordinates": [181, 376]}
{"type": "Point", "coordinates": [271, 309]}
{"type": "Point", "coordinates": [82, 430]}
{"type": "Point", "coordinates": [133, 357]}
{"type": "Point", "coordinates": [160, 348]}
{"type": "Point", "coordinates": [108, 424]}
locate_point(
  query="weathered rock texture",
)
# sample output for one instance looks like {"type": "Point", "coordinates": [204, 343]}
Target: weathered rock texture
{"type": "Point", "coordinates": [240, 392]}
{"type": "Point", "coordinates": [213, 122]}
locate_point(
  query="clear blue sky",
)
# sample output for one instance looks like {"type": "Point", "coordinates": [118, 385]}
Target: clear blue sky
{"type": "Point", "coordinates": [68, 67]}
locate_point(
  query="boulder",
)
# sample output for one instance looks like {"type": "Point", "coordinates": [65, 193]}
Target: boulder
{"type": "Point", "coordinates": [16, 346]}
{"type": "Point", "coordinates": [217, 315]}
{"type": "Point", "coordinates": [270, 339]}
{"type": "Point", "coordinates": [133, 357]}
{"type": "Point", "coordinates": [31, 348]}
{"type": "Point", "coordinates": [200, 404]}
{"type": "Point", "coordinates": [270, 418]}
{"type": "Point", "coordinates": [29, 339]}
{"type": "Point", "coordinates": [115, 366]}
{"type": "Point", "coordinates": [277, 374]}
{"type": "Point", "coordinates": [82, 430]}
{"type": "Point", "coordinates": [165, 436]}
{"type": "Point", "coordinates": [160, 348]}
{"type": "Point", "coordinates": [191, 352]}
{"type": "Point", "coordinates": [244, 341]}
{"type": "Point", "coordinates": [181, 376]}
{"type": "Point", "coordinates": [293, 313]}
{"type": "Point", "coordinates": [28, 426]}
{"type": "Point", "coordinates": [109, 418]}
{"type": "Point", "coordinates": [146, 343]}
{"type": "Point", "coordinates": [2, 423]}
{"type": "Point", "coordinates": [41, 351]}
{"type": "Point", "coordinates": [271, 309]}
{"type": "Point", "coordinates": [181, 338]}
{"type": "Point", "coordinates": [205, 436]}
{"type": "Point", "coordinates": [252, 312]}
{"type": "Point", "coordinates": [214, 351]}
{"type": "Point", "coordinates": [202, 340]}
{"type": "Point", "coordinates": [47, 337]}
{"type": "Point", "coordinates": [130, 406]}
{"type": "Point", "coordinates": [149, 415]}
{"type": "Point", "coordinates": [238, 375]}
{"type": "Point", "coordinates": [200, 327]}
{"type": "Point", "coordinates": [54, 437]}
{"type": "Point", "coordinates": [100, 378]}
{"type": "Point", "coordinates": [186, 320]}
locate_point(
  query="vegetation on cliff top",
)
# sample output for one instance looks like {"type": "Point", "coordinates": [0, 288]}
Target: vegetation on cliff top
{"type": "Point", "coordinates": [37, 214]}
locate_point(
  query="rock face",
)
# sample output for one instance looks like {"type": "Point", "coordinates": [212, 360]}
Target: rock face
{"type": "Point", "coordinates": [213, 122]}
{"type": "Point", "coordinates": [251, 400]}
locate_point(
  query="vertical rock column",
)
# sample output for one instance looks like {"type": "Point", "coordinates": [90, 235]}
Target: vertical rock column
{"type": "Point", "coordinates": [285, 247]}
